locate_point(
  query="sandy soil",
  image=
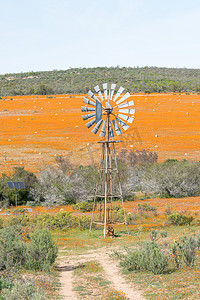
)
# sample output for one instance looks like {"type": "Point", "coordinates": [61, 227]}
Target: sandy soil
{"type": "Point", "coordinates": [111, 270]}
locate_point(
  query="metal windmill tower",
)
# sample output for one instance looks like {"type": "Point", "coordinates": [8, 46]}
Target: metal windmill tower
{"type": "Point", "coordinates": [108, 111]}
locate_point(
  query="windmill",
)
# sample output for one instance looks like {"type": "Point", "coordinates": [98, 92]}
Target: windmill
{"type": "Point", "coordinates": [108, 115]}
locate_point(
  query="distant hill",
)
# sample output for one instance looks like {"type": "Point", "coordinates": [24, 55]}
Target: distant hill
{"type": "Point", "coordinates": [80, 80]}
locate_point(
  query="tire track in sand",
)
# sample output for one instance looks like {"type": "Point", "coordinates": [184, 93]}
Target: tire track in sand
{"type": "Point", "coordinates": [112, 272]}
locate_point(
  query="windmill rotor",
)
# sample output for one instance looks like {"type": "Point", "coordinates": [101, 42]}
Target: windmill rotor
{"type": "Point", "coordinates": [105, 103]}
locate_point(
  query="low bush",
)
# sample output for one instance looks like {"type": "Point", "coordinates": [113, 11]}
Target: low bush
{"type": "Point", "coordinates": [179, 219]}
{"type": "Point", "coordinates": [41, 251]}
{"type": "Point", "coordinates": [21, 290]}
{"type": "Point", "coordinates": [148, 257]}
{"type": "Point", "coordinates": [144, 207]}
{"type": "Point", "coordinates": [155, 235]}
{"type": "Point", "coordinates": [184, 251]}
{"type": "Point", "coordinates": [118, 215]}
{"type": "Point", "coordinates": [1, 223]}
{"type": "Point", "coordinates": [83, 206]}
{"type": "Point", "coordinates": [12, 248]}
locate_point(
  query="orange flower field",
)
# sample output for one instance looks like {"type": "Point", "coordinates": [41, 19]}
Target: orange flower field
{"type": "Point", "coordinates": [34, 129]}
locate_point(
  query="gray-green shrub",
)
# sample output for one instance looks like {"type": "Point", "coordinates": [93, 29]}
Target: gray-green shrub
{"type": "Point", "coordinates": [184, 251]}
{"type": "Point", "coordinates": [148, 257]}
{"type": "Point", "coordinates": [179, 219]}
{"type": "Point", "coordinates": [21, 290]}
{"type": "Point", "coordinates": [41, 251]}
{"type": "Point", "coordinates": [12, 248]}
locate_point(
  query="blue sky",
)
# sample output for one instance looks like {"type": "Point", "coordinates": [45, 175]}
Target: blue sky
{"type": "Point", "coordinates": [40, 35]}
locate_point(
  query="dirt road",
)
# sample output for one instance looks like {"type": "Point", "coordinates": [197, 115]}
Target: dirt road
{"type": "Point", "coordinates": [111, 270]}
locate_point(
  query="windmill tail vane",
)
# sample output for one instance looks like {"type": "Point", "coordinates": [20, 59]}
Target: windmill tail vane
{"type": "Point", "coordinates": [108, 114]}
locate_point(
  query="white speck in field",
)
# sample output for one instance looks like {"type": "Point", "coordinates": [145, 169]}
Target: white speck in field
{"type": "Point", "coordinates": [156, 135]}
{"type": "Point", "coordinates": [35, 132]}
{"type": "Point", "coordinates": [56, 114]}
{"type": "Point", "coordinates": [41, 108]}
{"type": "Point", "coordinates": [49, 102]}
{"type": "Point", "coordinates": [154, 110]}
{"type": "Point", "coordinates": [9, 140]}
{"type": "Point", "coordinates": [76, 126]}
{"type": "Point", "coordinates": [88, 144]}
{"type": "Point", "coordinates": [156, 146]}
{"type": "Point", "coordinates": [187, 113]}
{"type": "Point", "coordinates": [60, 102]}
{"type": "Point", "coordinates": [67, 137]}
{"type": "Point", "coordinates": [55, 154]}
{"type": "Point", "coordinates": [131, 146]}
{"type": "Point", "coordinates": [186, 154]}
{"type": "Point", "coordinates": [40, 153]}
{"type": "Point", "coordinates": [62, 120]}
{"type": "Point", "coordinates": [18, 119]}
{"type": "Point", "coordinates": [169, 110]}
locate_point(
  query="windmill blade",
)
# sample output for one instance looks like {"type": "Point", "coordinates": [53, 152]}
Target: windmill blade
{"type": "Point", "coordinates": [98, 111]}
{"type": "Point", "coordinates": [126, 104]}
{"type": "Point", "coordinates": [127, 111]}
{"type": "Point", "coordinates": [116, 127]}
{"type": "Point", "coordinates": [121, 89]}
{"type": "Point", "coordinates": [126, 118]}
{"type": "Point", "coordinates": [96, 127]}
{"type": "Point", "coordinates": [111, 91]}
{"type": "Point", "coordinates": [85, 117]}
{"type": "Point", "coordinates": [127, 95]}
{"type": "Point", "coordinates": [97, 89]}
{"type": "Point", "coordinates": [103, 130]}
{"type": "Point", "coordinates": [92, 95]}
{"type": "Point", "coordinates": [105, 86]}
{"type": "Point", "coordinates": [90, 123]}
{"type": "Point", "coordinates": [111, 133]}
{"type": "Point", "coordinates": [87, 101]}
{"type": "Point", "coordinates": [122, 123]}
{"type": "Point", "coordinates": [86, 109]}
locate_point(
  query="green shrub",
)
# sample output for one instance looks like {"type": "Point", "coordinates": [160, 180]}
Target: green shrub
{"type": "Point", "coordinates": [198, 240]}
{"type": "Point", "coordinates": [184, 251]}
{"type": "Point", "coordinates": [63, 220]}
{"type": "Point", "coordinates": [155, 235]}
{"type": "Point", "coordinates": [22, 290]}
{"type": "Point", "coordinates": [5, 283]}
{"type": "Point", "coordinates": [146, 207]}
{"type": "Point", "coordinates": [19, 220]}
{"type": "Point", "coordinates": [148, 257]}
{"type": "Point", "coordinates": [12, 247]}
{"type": "Point", "coordinates": [1, 223]}
{"type": "Point", "coordinates": [43, 220]}
{"type": "Point", "coordinates": [118, 215]}
{"type": "Point", "coordinates": [41, 251]}
{"type": "Point", "coordinates": [84, 222]}
{"type": "Point", "coordinates": [83, 206]}
{"type": "Point", "coordinates": [179, 219]}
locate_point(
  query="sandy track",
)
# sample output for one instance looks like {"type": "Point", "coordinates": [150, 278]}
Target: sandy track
{"type": "Point", "coordinates": [66, 271]}
{"type": "Point", "coordinates": [111, 270]}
